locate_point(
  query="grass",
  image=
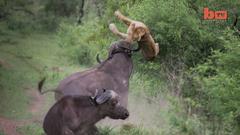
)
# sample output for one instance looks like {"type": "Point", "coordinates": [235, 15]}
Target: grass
{"type": "Point", "coordinates": [30, 129]}
{"type": "Point", "coordinates": [125, 130]}
{"type": "Point", "coordinates": [37, 130]}
{"type": "Point", "coordinates": [13, 99]}
{"type": "Point", "coordinates": [26, 59]}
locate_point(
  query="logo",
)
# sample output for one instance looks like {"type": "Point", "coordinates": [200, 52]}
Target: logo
{"type": "Point", "coordinates": [214, 15]}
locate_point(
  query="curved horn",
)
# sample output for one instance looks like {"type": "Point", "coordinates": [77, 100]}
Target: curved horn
{"type": "Point", "coordinates": [102, 98]}
{"type": "Point", "coordinates": [98, 59]}
{"type": "Point", "coordinates": [137, 49]}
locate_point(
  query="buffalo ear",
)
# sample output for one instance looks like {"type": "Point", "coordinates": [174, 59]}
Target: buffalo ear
{"type": "Point", "coordinates": [103, 97]}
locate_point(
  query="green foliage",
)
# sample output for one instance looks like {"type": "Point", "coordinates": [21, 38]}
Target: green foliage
{"type": "Point", "coordinates": [26, 16]}
{"type": "Point", "coordinates": [124, 131]}
{"type": "Point", "coordinates": [217, 5]}
{"type": "Point", "coordinates": [216, 84]}
{"type": "Point", "coordinates": [30, 129]}
{"type": "Point", "coordinates": [21, 22]}
{"type": "Point", "coordinates": [105, 131]}
{"type": "Point", "coordinates": [62, 7]}
{"type": "Point", "coordinates": [182, 122]}
{"type": "Point", "coordinates": [135, 131]}
{"type": "Point", "coordinates": [83, 42]}
{"type": "Point", "coordinates": [144, 83]}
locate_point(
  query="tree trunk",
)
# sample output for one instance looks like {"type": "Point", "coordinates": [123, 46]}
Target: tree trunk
{"type": "Point", "coordinates": [80, 12]}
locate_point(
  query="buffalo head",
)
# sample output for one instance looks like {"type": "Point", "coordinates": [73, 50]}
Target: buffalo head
{"type": "Point", "coordinates": [108, 103]}
{"type": "Point", "coordinates": [121, 46]}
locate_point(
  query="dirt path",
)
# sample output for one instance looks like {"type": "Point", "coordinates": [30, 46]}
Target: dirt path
{"type": "Point", "coordinates": [9, 126]}
{"type": "Point", "coordinates": [36, 102]}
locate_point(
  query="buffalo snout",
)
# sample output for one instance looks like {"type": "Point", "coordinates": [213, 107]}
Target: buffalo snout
{"type": "Point", "coordinates": [119, 112]}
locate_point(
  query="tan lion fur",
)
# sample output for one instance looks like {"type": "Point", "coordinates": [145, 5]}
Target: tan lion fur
{"type": "Point", "coordinates": [137, 31]}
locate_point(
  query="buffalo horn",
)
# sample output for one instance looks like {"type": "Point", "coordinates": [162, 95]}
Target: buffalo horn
{"type": "Point", "coordinates": [103, 97]}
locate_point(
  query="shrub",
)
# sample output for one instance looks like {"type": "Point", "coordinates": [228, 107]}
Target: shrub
{"type": "Point", "coordinates": [83, 42]}
{"type": "Point", "coordinates": [215, 86]}
{"type": "Point", "coordinates": [124, 131]}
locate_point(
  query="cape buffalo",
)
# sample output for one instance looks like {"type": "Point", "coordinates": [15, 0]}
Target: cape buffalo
{"type": "Point", "coordinates": [77, 115]}
{"type": "Point", "coordinates": [113, 73]}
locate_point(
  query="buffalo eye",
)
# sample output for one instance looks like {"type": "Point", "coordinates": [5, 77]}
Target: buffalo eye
{"type": "Point", "coordinates": [113, 103]}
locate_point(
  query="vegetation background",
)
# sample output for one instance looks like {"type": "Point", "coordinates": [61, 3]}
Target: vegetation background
{"type": "Point", "coordinates": [191, 88]}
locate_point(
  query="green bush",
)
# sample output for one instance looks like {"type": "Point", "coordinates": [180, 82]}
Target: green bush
{"type": "Point", "coordinates": [105, 131]}
{"type": "Point", "coordinates": [216, 86]}
{"type": "Point", "coordinates": [177, 30]}
{"type": "Point", "coordinates": [19, 22]}
{"type": "Point", "coordinates": [125, 131]}
{"type": "Point", "coordinates": [61, 7]}
{"type": "Point", "coordinates": [83, 42]}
